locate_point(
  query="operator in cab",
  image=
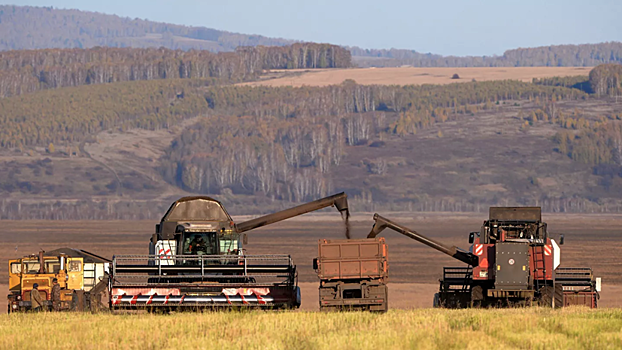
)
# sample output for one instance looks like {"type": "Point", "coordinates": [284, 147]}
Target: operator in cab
{"type": "Point", "coordinates": [197, 245]}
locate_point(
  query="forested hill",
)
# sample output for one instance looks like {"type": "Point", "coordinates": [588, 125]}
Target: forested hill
{"type": "Point", "coordinates": [586, 55]}
{"type": "Point", "coordinates": [26, 71]}
{"type": "Point", "coordinates": [25, 27]}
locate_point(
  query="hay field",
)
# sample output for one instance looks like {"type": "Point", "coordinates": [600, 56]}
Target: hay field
{"type": "Point", "coordinates": [412, 75]}
{"type": "Point", "coordinates": [533, 328]}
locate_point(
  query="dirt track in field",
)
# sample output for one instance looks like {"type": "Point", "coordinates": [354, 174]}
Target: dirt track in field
{"type": "Point", "coordinates": [412, 75]}
{"type": "Point", "coordinates": [591, 240]}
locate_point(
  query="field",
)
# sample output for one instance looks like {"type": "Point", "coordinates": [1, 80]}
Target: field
{"type": "Point", "coordinates": [412, 75]}
{"type": "Point", "coordinates": [591, 240]}
{"type": "Point", "coordinates": [399, 329]}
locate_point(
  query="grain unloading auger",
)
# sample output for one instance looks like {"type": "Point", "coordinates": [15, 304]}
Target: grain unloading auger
{"type": "Point", "coordinates": [196, 260]}
{"type": "Point", "coordinates": [512, 261]}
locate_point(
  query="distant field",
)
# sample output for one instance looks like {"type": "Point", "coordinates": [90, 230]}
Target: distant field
{"type": "Point", "coordinates": [410, 75]}
{"type": "Point", "coordinates": [533, 328]}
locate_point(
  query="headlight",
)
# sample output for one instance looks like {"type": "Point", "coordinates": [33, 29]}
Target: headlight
{"type": "Point", "coordinates": [19, 297]}
{"type": "Point", "coordinates": [14, 306]}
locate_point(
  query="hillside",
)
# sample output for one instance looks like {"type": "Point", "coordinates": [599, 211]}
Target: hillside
{"type": "Point", "coordinates": [26, 27]}
{"type": "Point", "coordinates": [458, 147]}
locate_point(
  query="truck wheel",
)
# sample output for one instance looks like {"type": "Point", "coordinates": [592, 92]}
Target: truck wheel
{"type": "Point", "coordinates": [436, 302]}
{"type": "Point", "coordinates": [385, 305]}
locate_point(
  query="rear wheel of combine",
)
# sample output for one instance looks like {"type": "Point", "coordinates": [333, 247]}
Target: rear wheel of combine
{"type": "Point", "coordinates": [547, 293]}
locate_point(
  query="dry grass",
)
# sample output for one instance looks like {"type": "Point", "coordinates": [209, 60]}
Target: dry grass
{"type": "Point", "coordinates": [423, 329]}
{"type": "Point", "coordinates": [411, 75]}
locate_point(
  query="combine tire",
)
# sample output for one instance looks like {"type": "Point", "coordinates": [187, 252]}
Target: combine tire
{"type": "Point", "coordinates": [547, 293]}
{"type": "Point", "coordinates": [436, 303]}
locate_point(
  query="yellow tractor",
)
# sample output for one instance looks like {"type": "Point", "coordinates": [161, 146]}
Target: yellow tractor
{"type": "Point", "coordinates": [82, 277]}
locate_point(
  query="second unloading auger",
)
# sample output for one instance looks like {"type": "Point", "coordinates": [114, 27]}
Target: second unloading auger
{"type": "Point", "coordinates": [196, 259]}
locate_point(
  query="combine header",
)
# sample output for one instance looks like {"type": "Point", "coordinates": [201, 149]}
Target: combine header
{"type": "Point", "coordinates": [197, 260]}
{"type": "Point", "coordinates": [512, 261]}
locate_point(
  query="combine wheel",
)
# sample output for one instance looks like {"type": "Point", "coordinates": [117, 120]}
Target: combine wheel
{"type": "Point", "coordinates": [477, 296]}
{"type": "Point", "coordinates": [547, 293]}
{"type": "Point", "coordinates": [436, 303]}
{"type": "Point", "coordinates": [559, 296]}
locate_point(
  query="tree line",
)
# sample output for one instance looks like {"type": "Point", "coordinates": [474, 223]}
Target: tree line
{"type": "Point", "coordinates": [585, 55]}
{"type": "Point", "coordinates": [28, 71]}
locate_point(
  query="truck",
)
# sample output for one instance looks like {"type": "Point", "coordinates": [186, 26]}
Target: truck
{"type": "Point", "coordinates": [512, 261]}
{"type": "Point", "coordinates": [353, 274]}
{"type": "Point", "coordinates": [81, 275]}
{"type": "Point", "coordinates": [197, 260]}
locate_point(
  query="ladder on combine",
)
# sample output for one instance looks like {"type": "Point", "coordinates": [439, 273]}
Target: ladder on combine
{"type": "Point", "coordinates": [539, 266]}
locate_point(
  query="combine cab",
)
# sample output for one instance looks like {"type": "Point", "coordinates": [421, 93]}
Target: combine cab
{"type": "Point", "coordinates": [197, 260]}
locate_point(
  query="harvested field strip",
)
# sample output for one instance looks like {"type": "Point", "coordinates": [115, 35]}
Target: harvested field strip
{"type": "Point", "coordinates": [412, 75]}
{"type": "Point", "coordinates": [533, 328]}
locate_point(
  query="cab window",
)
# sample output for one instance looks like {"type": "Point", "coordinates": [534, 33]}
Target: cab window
{"type": "Point", "coordinates": [52, 266]}
{"type": "Point", "coordinates": [200, 244]}
{"type": "Point", "coordinates": [16, 267]}
{"type": "Point", "coordinates": [32, 266]}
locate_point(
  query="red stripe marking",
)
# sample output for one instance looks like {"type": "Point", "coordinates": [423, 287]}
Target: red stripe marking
{"type": "Point", "coordinates": [150, 299]}
{"type": "Point", "coordinates": [133, 301]}
{"type": "Point", "coordinates": [166, 299]}
{"type": "Point", "coordinates": [260, 300]}
{"type": "Point", "coordinates": [182, 298]}
{"type": "Point", "coordinates": [243, 300]}
{"type": "Point", "coordinates": [228, 301]}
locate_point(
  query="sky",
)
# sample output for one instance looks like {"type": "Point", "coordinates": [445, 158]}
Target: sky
{"type": "Point", "coordinates": [447, 27]}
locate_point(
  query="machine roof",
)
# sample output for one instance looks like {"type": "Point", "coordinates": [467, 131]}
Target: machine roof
{"type": "Point", "coordinates": [196, 208]}
{"type": "Point", "coordinates": [515, 214]}
{"type": "Point", "coordinates": [78, 253]}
